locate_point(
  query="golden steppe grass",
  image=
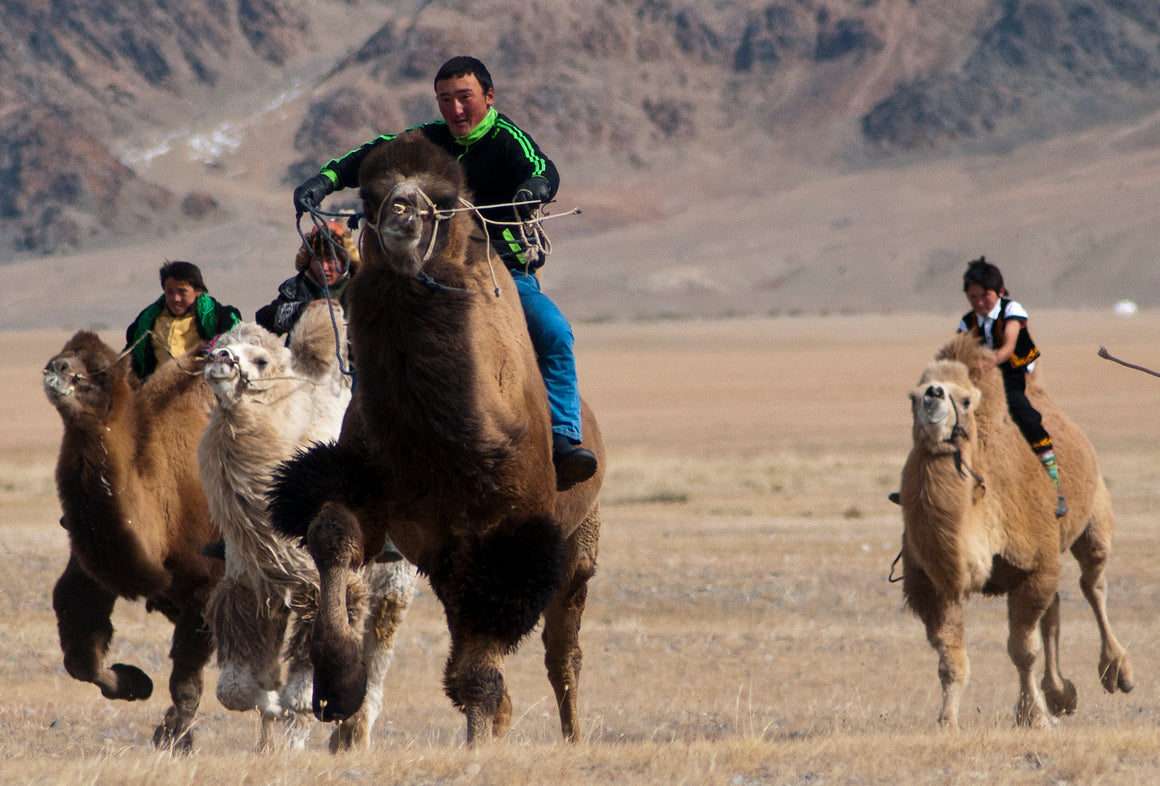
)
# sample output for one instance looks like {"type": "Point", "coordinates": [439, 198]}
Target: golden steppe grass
{"type": "Point", "coordinates": [741, 628]}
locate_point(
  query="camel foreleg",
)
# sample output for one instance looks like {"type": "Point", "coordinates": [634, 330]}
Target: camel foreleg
{"type": "Point", "coordinates": [391, 589]}
{"type": "Point", "coordinates": [191, 650]}
{"type": "Point", "coordinates": [943, 619]}
{"type": "Point", "coordinates": [249, 627]}
{"type": "Point", "coordinates": [1059, 693]}
{"type": "Point", "coordinates": [1115, 669]}
{"type": "Point", "coordinates": [84, 623]}
{"type": "Point", "coordinates": [1026, 606]}
{"type": "Point", "coordinates": [562, 653]}
{"type": "Point", "coordinates": [474, 681]}
{"type": "Point", "coordinates": [340, 678]}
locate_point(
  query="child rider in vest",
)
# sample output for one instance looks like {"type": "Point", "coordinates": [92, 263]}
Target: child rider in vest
{"type": "Point", "coordinates": [1001, 324]}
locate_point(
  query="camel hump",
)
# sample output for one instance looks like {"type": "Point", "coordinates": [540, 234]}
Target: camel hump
{"type": "Point", "coordinates": [313, 338]}
{"type": "Point", "coordinates": [966, 349]}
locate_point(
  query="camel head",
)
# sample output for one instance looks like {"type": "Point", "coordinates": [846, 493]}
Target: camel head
{"type": "Point", "coordinates": [406, 186]}
{"type": "Point", "coordinates": [241, 359]}
{"type": "Point", "coordinates": [943, 405]}
{"type": "Point", "coordinates": [80, 378]}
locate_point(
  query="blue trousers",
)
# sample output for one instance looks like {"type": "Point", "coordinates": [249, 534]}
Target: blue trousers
{"type": "Point", "coordinates": [552, 339]}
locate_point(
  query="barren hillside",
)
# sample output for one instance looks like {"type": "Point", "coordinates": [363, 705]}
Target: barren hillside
{"type": "Point", "coordinates": [729, 158]}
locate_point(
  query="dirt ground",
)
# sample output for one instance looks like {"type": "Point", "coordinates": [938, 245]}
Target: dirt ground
{"type": "Point", "coordinates": [741, 628]}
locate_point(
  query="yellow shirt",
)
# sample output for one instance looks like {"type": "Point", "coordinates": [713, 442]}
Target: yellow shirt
{"type": "Point", "coordinates": [174, 336]}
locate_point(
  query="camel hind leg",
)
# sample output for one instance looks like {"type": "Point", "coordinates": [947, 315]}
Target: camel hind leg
{"type": "Point", "coordinates": [84, 623]}
{"type": "Point", "coordinates": [562, 653]}
{"type": "Point", "coordinates": [1091, 549]}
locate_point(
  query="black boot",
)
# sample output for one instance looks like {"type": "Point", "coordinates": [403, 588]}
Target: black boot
{"type": "Point", "coordinates": [1060, 506]}
{"type": "Point", "coordinates": [215, 550]}
{"type": "Point", "coordinates": [573, 464]}
{"type": "Point", "coordinates": [389, 553]}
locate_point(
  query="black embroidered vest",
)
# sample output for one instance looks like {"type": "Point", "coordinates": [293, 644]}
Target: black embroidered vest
{"type": "Point", "coordinates": [1025, 350]}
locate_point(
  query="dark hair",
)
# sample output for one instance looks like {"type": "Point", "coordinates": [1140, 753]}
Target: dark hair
{"type": "Point", "coordinates": [986, 275]}
{"type": "Point", "coordinates": [462, 65]}
{"type": "Point", "coordinates": [183, 271]}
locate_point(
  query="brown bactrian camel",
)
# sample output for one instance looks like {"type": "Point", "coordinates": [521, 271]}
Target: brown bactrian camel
{"type": "Point", "coordinates": [446, 448]}
{"type": "Point", "coordinates": [136, 518]}
{"type": "Point", "coordinates": [979, 515]}
{"type": "Point", "coordinates": [274, 399]}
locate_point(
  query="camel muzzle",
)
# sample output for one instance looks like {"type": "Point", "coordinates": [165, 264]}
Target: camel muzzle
{"type": "Point", "coordinates": [59, 384]}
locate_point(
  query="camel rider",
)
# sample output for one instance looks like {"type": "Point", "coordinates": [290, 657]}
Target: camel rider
{"type": "Point", "coordinates": [1001, 324]}
{"type": "Point", "coordinates": [502, 165]}
{"type": "Point", "coordinates": [329, 257]}
{"type": "Point", "coordinates": [184, 317]}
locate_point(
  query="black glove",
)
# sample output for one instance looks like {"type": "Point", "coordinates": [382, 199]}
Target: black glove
{"type": "Point", "coordinates": [310, 194]}
{"type": "Point", "coordinates": [533, 190]}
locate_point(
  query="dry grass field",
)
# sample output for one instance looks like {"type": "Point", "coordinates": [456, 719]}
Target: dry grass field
{"type": "Point", "coordinates": [741, 628]}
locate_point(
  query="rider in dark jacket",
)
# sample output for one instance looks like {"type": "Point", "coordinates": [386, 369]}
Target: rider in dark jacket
{"type": "Point", "coordinates": [331, 256]}
{"type": "Point", "coordinates": [503, 165]}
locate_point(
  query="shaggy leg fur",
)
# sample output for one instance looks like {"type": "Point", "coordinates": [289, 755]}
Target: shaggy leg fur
{"type": "Point", "coordinates": [943, 620]}
{"type": "Point", "coordinates": [249, 633]}
{"type": "Point", "coordinates": [192, 648]}
{"type": "Point", "coordinates": [391, 587]}
{"type": "Point", "coordinates": [83, 618]}
{"type": "Point", "coordinates": [1092, 555]}
{"type": "Point", "coordinates": [474, 681]}
{"type": "Point", "coordinates": [340, 678]}
{"type": "Point", "coordinates": [562, 654]}
{"type": "Point", "coordinates": [1058, 692]}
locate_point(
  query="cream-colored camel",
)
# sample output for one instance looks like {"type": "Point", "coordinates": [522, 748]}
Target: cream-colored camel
{"type": "Point", "coordinates": [272, 401]}
{"type": "Point", "coordinates": [979, 517]}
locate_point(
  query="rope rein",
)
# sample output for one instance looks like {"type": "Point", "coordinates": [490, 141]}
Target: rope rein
{"type": "Point", "coordinates": [530, 231]}
{"type": "Point", "coordinates": [249, 385]}
{"type": "Point", "coordinates": [79, 377]}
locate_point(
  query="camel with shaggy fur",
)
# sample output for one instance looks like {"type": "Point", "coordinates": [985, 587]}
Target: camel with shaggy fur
{"type": "Point", "coordinates": [446, 448]}
{"type": "Point", "coordinates": [273, 400]}
{"type": "Point", "coordinates": [979, 516]}
{"type": "Point", "coordinates": [136, 517]}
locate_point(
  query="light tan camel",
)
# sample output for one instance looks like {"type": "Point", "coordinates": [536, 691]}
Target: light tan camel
{"type": "Point", "coordinates": [272, 401]}
{"type": "Point", "coordinates": [136, 518]}
{"type": "Point", "coordinates": [979, 516]}
{"type": "Point", "coordinates": [446, 447]}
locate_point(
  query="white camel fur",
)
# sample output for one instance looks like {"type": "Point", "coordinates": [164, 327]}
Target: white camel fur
{"type": "Point", "coordinates": [272, 401]}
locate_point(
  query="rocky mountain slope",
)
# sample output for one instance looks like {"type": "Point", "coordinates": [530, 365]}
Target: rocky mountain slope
{"type": "Point", "coordinates": [746, 156]}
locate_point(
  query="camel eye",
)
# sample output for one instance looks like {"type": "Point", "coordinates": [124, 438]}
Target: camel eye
{"type": "Point", "coordinates": [261, 363]}
{"type": "Point", "coordinates": [966, 404]}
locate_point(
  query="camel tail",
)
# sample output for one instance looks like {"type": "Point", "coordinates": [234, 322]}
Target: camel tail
{"type": "Point", "coordinates": [322, 473]}
{"type": "Point", "coordinates": [500, 582]}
